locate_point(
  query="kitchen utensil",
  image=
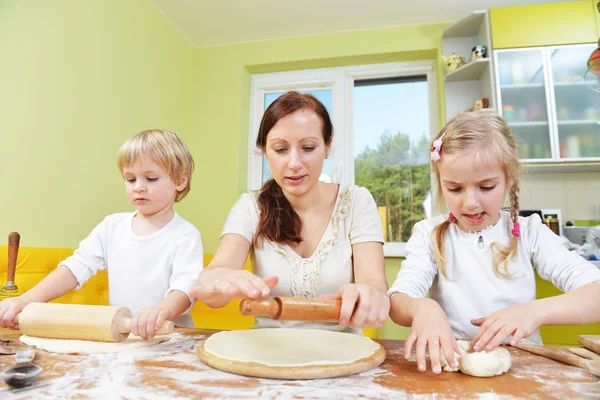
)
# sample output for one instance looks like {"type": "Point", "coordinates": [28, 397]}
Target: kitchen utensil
{"type": "Point", "coordinates": [10, 289]}
{"type": "Point", "coordinates": [76, 321]}
{"type": "Point", "coordinates": [25, 372]}
{"type": "Point", "coordinates": [590, 342]}
{"type": "Point", "coordinates": [293, 309]}
{"type": "Point", "coordinates": [585, 353]}
{"type": "Point", "coordinates": [6, 347]}
{"type": "Point", "coordinates": [591, 366]}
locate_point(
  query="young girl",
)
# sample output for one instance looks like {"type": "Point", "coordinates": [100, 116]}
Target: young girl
{"type": "Point", "coordinates": [307, 238]}
{"type": "Point", "coordinates": [153, 256]}
{"type": "Point", "coordinates": [479, 261]}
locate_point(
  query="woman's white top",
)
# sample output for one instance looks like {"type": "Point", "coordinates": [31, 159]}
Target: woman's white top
{"type": "Point", "coordinates": [354, 219]}
{"type": "Point", "coordinates": [473, 289]}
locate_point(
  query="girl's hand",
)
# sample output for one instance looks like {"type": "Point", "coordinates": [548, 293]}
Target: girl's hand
{"type": "Point", "coordinates": [519, 321]}
{"type": "Point", "coordinates": [9, 308]}
{"type": "Point", "coordinates": [233, 284]}
{"type": "Point", "coordinates": [148, 321]}
{"type": "Point", "coordinates": [363, 306]}
{"type": "Point", "coordinates": [430, 329]}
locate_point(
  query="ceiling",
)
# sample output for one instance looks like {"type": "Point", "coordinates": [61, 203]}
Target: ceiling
{"type": "Point", "coordinates": [206, 23]}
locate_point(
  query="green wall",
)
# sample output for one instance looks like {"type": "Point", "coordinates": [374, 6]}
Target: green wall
{"type": "Point", "coordinates": [225, 94]}
{"type": "Point", "coordinates": [77, 78]}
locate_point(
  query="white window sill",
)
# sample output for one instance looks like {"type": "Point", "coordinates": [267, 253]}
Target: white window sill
{"type": "Point", "coordinates": [394, 249]}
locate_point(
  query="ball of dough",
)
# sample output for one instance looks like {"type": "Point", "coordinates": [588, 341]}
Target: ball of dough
{"type": "Point", "coordinates": [484, 364]}
{"type": "Point", "coordinates": [463, 346]}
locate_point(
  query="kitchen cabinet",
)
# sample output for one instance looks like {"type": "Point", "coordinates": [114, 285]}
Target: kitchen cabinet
{"type": "Point", "coordinates": [542, 95]}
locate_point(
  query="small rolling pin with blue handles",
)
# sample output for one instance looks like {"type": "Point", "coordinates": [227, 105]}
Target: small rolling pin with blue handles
{"type": "Point", "coordinates": [293, 309]}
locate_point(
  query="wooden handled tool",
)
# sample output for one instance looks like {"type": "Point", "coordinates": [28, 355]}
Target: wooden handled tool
{"type": "Point", "coordinates": [591, 342]}
{"type": "Point", "coordinates": [293, 309]}
{"type": "Point", "coordinates": [77, 321]}
{"type": "Point", "coordinates": [13, 250]}
{"type": "Point", "coordinates": [585, 353]}
{"type": "Point", "coordinates": [591, 366]}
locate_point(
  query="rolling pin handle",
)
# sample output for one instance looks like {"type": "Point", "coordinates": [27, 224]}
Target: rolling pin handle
{"type": "Point", "coordinates": [14, 240]}
{"type": "Point", "coordinates": [261, 308]}
{"type": "Point", "coordinates": [165, 329]}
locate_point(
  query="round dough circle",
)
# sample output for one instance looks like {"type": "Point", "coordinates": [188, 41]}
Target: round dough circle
{"type": "Point", "coordinates": [281, 347]}
{"type": "Point", "coordinates": [70, 346]}
{"type": "Point", "coordinates": [282, 353]}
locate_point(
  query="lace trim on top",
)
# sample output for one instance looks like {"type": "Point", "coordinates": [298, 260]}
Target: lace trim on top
{"type": "Point", "coordinates": [304, 272]}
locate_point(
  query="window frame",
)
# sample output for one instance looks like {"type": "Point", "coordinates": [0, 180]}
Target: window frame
{"type": "Point", "coordinates": [341, 81]}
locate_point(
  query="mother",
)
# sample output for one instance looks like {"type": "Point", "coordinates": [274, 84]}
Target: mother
{"type": "Point", "coordinates": [307, 238]}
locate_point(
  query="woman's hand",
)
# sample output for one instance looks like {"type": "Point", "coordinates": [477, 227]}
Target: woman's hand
{"type": "Point", "coordinates": [232, 284]}
{"type": "Point", "coordinates": [148, 321]}
{"type": "Point", "coordinates": [430, 329]}
{"type": "Point", "coordinates": [519, 321]}
{"type": "Point", "coordinates": [363, 306]}
{"type": "Point", "coordinates": [9, 308]}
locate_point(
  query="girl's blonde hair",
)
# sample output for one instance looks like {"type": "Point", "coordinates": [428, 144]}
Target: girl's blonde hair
{"type": "Point", "coordinates": [487, 137]}
{"type": "Point", "coordinates": [163, 147]}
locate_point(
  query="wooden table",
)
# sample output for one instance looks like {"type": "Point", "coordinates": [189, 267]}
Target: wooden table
{"type": "Point", "coordinates": [172, 370]}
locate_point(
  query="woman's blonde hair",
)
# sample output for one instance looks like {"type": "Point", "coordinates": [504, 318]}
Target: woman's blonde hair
{"type": "Point", "coordinates": [163, 147]}
{"type": "Point", "coordinates": [486, 136]}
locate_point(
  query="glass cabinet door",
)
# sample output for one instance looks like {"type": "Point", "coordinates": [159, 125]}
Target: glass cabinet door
{"type": "Point", "coordinates": [577, 107]}
{"type": "Point", "coordinates": [522, 91]}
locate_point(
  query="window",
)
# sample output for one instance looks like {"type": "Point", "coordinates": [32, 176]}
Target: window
{"type": "Point", "coordinates": [384, 117]}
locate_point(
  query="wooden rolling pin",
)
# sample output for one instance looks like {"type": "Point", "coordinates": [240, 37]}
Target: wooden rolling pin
{"type": "Point", "coordinates": [77, 321]}
{"type": "Point", "coordinates": [293, 309]}
{"type": "Point", "coordinates": [591, 342]}
{"type": "Point", "coordinates": [591, 366]}
{"type": "Point", "coordinates": [13, 250]}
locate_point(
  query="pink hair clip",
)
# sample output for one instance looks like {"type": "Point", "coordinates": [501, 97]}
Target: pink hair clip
{"type": "Point", "coordinates": [451, 217]}
{"type": "Point", "coordinates": [516, 230]}
{"type": "Point", "coordinates": [436, 148]}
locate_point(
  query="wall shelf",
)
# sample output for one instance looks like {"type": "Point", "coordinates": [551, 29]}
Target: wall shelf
{"type": "Point", "coordinates": [569, 84]}
{"type": "Point", "coordinates": [523, 86]}
{"type": "Point", "coordinates": [578, 122]}
{"type": "Point", "coordinates": [474, 80]}
{"type": "Point", "coordinates": [465, 27]}
{"type": "Point", "coordinates": [471, 71]}
{"type": "Point", "coordinates": [528, 123]}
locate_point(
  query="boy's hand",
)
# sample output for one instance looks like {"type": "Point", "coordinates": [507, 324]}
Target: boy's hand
{"type": "Point", "coordinates": [148, 321]}
{"type": "Point", "coordinates": [430, 329]}
{"type": "Point", "coordinates": [519, 321]}
{"type": "Point", "coordinates": [9, 308]}
{"type": "Point", "coordinates": [363, 306]}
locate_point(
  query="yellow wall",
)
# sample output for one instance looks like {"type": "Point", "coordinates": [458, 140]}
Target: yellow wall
{"type": "Point", "coordinates": [596, 15]}
{"type": "Point", "coordinates": [543, 25]}
{"type": "Point", "coordinates": [76, 79]}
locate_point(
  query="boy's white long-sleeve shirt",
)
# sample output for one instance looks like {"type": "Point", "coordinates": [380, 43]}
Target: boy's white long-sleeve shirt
{"type": "Point", "coordinates": [142, 270]}
{"type": "Point", "coordinates": [473, 289]}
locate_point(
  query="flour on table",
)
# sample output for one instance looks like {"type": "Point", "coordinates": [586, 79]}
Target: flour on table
{"type": "Point", "coordinates": [481, 364]}
{"type": "Point", "coordinates": [70, 346]}
{"type": "Point", "coordinates": [280, 347]}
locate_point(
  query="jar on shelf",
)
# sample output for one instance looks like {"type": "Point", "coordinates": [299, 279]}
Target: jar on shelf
{"type": "Point", "coordinates": [508, 112]}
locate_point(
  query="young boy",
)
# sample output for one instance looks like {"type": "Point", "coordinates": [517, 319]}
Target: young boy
{"type": "Point", "coordinates": [152, 255]}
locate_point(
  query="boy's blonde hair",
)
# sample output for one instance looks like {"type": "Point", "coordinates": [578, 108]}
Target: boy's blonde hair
{"type": "Point", "coordinates": [163, 147]}
{"type": "Point", "coordinates": [488, 138]}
